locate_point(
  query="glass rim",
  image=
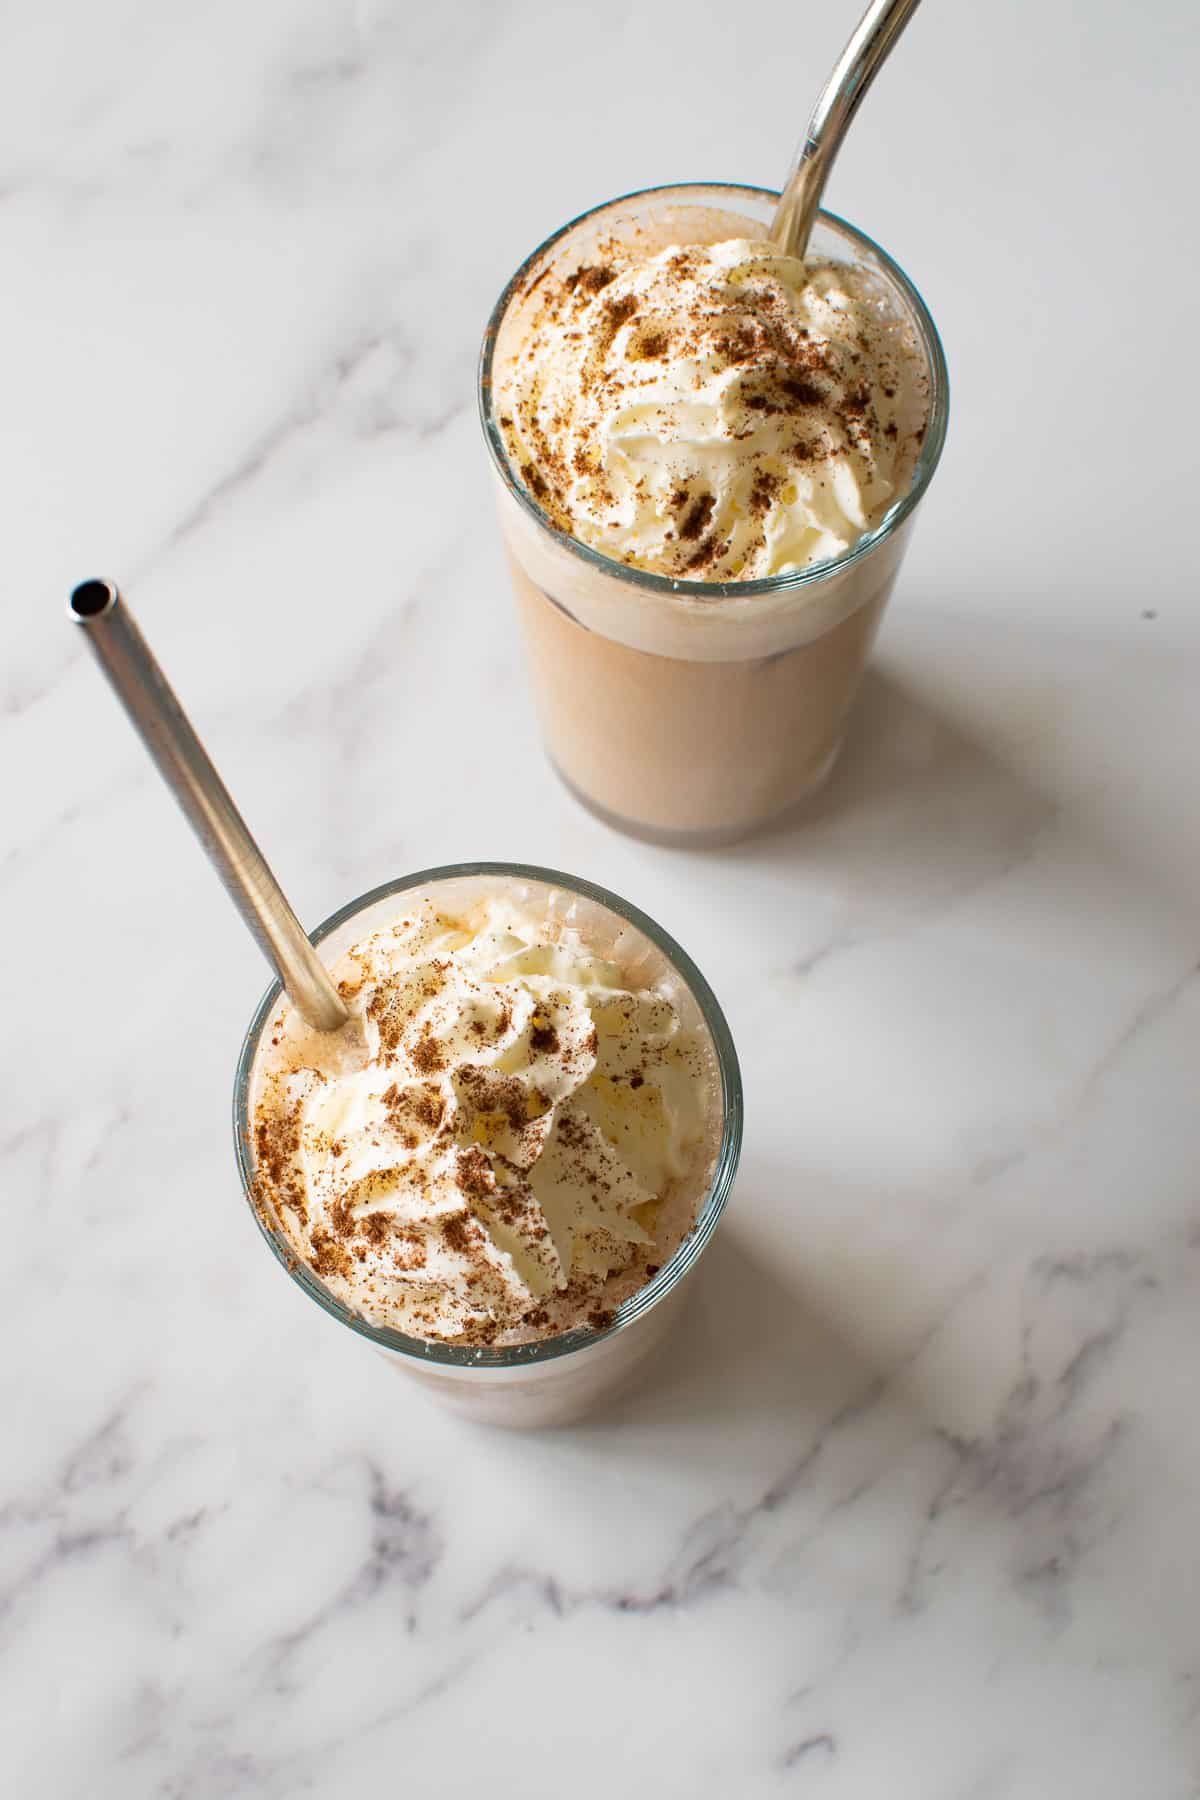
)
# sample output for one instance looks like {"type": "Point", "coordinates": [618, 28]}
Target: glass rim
{"type": "Point", "coordinates": [812, 573]}
{"type": "Point", "coordinates": [564, 1343]}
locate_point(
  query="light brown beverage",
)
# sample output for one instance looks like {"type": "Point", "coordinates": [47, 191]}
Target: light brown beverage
{"type": "Point", "coordinates": [502, 1175]}
{"type": "Point", "coordinates": [686, 708]}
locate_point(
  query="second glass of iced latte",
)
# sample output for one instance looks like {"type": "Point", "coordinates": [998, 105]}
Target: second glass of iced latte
{"type": "Point", "coordinates": [708, 460]}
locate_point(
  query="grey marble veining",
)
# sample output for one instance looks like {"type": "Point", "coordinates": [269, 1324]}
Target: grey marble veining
{"type": "Point", "coordinates": [907, 1507]}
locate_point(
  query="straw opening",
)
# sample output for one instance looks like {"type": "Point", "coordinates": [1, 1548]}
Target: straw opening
{"type": "Point", "coordinates": [91, 598]}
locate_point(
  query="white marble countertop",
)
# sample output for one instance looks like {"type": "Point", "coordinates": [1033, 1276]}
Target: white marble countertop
{"type": "Point", "coordinates": [908, 1508]}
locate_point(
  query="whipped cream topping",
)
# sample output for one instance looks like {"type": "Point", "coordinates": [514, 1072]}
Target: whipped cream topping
{"type": "Point", "coordinates": [500, 1140]}
{"type": "Point", "coordinates": [713, 412]}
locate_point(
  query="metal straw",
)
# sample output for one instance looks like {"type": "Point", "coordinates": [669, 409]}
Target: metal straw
{"type": "Point", "coordinates": [184, 764]}
{"type": "Point", "coordinates": [841, 97]}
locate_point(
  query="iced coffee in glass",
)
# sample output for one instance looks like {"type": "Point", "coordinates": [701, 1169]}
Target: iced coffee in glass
{"type": "Point", "coordinates": [503, 1169]}
{"type": "Point", "coordinates": [708, 456]}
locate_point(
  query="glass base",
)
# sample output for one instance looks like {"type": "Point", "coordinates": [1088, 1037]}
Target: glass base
{"type": "Point", "coordinates": [703, 840]}
{"type": "Point", "coordinates": [542, 1396]}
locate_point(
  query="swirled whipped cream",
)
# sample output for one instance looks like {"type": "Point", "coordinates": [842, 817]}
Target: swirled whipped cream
{"type": "Point", "coordinates": [716, 411]}
{"type": "Point", "coordinates": [496, 1155]}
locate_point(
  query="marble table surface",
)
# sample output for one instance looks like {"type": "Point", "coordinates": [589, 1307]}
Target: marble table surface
{"type": "Point", "coordinates": [908, 1507]}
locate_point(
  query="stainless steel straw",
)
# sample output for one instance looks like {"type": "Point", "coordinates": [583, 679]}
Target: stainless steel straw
{"type": "Point", "coordinates": [841, 97]}
{"type": "Point", "coordinates": [185, 766]}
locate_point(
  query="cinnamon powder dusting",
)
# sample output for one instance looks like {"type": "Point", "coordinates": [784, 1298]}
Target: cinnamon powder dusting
{"type": "Point", "coordinates": [438, 1162]}
{"type": "Point", "coordinates": [635, 323]}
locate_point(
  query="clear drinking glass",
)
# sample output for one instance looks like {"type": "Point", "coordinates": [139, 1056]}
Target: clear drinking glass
{"type": "Point", "coordinates": [693, 711]}
{"type": "Point", "coordinates": [556, 1379]}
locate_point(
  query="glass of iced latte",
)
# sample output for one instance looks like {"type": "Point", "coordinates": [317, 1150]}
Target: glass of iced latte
{"type": "Point", "coordinates": [708, 457]}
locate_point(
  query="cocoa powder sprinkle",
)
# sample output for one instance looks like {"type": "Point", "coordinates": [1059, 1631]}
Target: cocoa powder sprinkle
{"type": "Point", "coordinates": [697, 516]}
